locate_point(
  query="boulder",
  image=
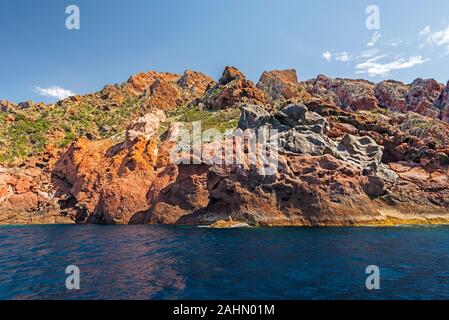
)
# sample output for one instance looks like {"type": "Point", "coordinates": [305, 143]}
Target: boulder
{"type": "Point", "coordinates": [230, 74]}
{"type": "Point", "coordinates": [279, 84]}
{"type": "Point", "coordinates": [305, 142]}
{"type": "Point", "coordinates": [363, 152]}
{"type": "Point", "coordinates": [195, 82]}
{"type": "Point", "coordinates": [232, 89]}
{"type": "Point", "coordinates": [145, 126]}
{"type": "Point", "coordinates": [252, 117]}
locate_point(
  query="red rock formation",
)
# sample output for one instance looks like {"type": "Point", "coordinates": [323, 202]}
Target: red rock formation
{"type": "Point", "coordinates": [232, 89]}
{"type": "Point", "coordinates": [26, 196]}
{"type": "Point", "coordinates": [422, 95]}
{"type": "Point", "coordinates": [391, 95]}
{"type": "Point", "coordinates": [195, 82]}
{"type": "Point", "coordinates": [347, 93]}
{"type": "Point", "coordinates": [443, 104]}
{"type": "Point", "coordinates": [279, 84]}
{"type": "Point", "coordinates": [425, 97]}
{"type": "Point", "coordinates": [138, 84]}
{"type": "Point", "coordinates": [342, 160]}
{"type": "Point", "coordinates": [109, 183]}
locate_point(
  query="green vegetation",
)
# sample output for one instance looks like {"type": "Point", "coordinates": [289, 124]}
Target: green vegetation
{"type": "Point", "coordinates": [383, 111]}
{"type": "Point", "coordinates": [35, 128]}
{"type": "Point", "coordinates": [221, 120]}
{"type": "Point", "coordinates": [30, 131]}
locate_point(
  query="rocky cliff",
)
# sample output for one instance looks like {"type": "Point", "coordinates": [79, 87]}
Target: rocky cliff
{"type": "Point", "coordinates": [348, 152]}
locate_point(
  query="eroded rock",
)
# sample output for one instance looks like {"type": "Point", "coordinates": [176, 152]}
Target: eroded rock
{"type": "Point", "coordinates": [279, 84]}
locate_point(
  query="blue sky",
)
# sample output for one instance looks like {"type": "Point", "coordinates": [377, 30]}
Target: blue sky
{"type": "Point", "coordinates": [121, 37]}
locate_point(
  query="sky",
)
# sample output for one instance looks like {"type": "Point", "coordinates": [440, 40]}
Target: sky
{"type": "Point", "coordinates": [42, 60]}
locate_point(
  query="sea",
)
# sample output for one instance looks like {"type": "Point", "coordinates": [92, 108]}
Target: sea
{"type": "Point", "coordinates": [99, 262]}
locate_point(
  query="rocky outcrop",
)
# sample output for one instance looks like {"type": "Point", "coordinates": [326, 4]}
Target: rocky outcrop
{"type": "Point", "coordinates": [157, 90]}
{"type": "Point", "coordinates": [195, 82]}
{"type": "Point", "coordinates": [109, 183]}
{"type": "Point", "coordinates": [6, 106]}
{"type": "Point", "coordinates": [442, 104]}
{"type": "Point", "coordinates": [144, 127]}
{"type": "Point", "coordinates": [423, 96]}
{"type": "Point", "coordinates": [27, 197]}
{"type": "Point", "coordinates": [279, 84]}
{"type": "Point", "coordinates": [391, 95]}
{"type": "Point", "coordinates": [347, 152]}
{"type": "Point", "coordinates": [349, 94]}
{"type": "Point", "coordinates": [233, 88]}
{"type": "Point", "coordinates": [345, 183]}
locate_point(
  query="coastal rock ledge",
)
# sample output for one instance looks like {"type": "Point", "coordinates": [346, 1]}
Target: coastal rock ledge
{"type": "Point", "coordinates": [349, 153]}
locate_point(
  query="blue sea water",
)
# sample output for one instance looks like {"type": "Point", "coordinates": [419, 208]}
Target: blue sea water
{"type": "Point", "coordinates": [170, 262]}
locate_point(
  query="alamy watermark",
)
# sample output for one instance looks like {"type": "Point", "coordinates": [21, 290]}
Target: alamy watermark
{"type": "Point", "coordinates": [373, 280]}
{"type": "Point", "coordinates": [250, 147]}
{"type": "Point", "coordinates": [372, 22]}
{"type": "Point", "coordinates": [73, 21]}
{"type": "Point", "coordinates": [73, 281]}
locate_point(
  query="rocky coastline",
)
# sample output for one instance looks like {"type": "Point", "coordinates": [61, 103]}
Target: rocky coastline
{"type": "Point", "coordinates": [350, 153]}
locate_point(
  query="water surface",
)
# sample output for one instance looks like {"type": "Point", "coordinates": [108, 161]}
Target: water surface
{"type": "Point", "coordinates": [170, 262]}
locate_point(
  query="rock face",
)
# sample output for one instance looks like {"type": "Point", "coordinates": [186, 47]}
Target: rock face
{"type": "Point", "coordinates": [349, 94]}
{"type": "Point", "coordinates": [144, 127]}
{"type": "Point", "coordinates": [27, 197]}
{"type": "Point", "coordinates": [424, 96]}
{"type": "Point", "coordinates": [279, 84]}
{"type": "Point", "coordinates": [233, 88]}
{"type": "Point", "coordinates": [195, 82]}
{"type": "Point", "coordinates": [391, 95]}
{"type": "Point", "coordinates": [107, 183]}
{"type": "Point", "coordinates": [166, 91]}
{"type": "Point", "coordinates": [421, 96]}
{"type": "Point", "coordinates": [348, 152]}
{"type": "Point", "coordinates": [343, 183]}
{"type": "Point", "coordinates": [443, 104]}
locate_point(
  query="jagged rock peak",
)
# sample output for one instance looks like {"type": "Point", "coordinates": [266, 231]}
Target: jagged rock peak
{"type": "Point", "coordinates": [230, 74]}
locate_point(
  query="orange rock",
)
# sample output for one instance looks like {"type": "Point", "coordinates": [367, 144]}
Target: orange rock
{"type": "Point", "coordinates": [4, 192]}
{"type": "Point", "coordinates": [230, 74]}
{"type": "Point", "coordinates": [139, 83]}
{"type": "Point", "coordinates": [110, 182]}
{"type": "Point", "coordinates": [195, 82]}
{"type": "Point", "coordinates": [163, 95]}
{"type": "Point", "coordinates": [10, 118]}
{"type": "Point", "coordinates": [23, 185]}
{"type": "Point", "coordinates": [233, 89]}
{"type": "Point", "coordinates": [279, 84]}
{"type": "Point", "coordinates": [26, 201]}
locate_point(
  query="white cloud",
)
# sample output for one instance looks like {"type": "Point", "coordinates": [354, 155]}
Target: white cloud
{"type": "Point", "coordinates": [367, 54]}
{"type": "Point", "coordinates": [376, 36]}
{"type": "Point", "coordinates": [374, 68]}
{"type": "Point", "coordinates": [395, 43]}
{"type": "Point", "coordinates": [343, 56]}
{"type": "Point", "coordinates": [439, 38]}
{"type": "Point", "coordinates": [425, 31]}
{"type": "Point", "coordinates": [327, 55]}
{"type": "Point", "coordinates": [54, 92]}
